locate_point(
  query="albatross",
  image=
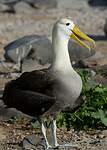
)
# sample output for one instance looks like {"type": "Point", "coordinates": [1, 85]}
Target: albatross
{"type": "Point", "coordinates": [46, 92]}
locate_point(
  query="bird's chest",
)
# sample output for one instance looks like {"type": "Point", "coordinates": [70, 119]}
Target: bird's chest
{"type": "Point", "coordinates": [69, 87]}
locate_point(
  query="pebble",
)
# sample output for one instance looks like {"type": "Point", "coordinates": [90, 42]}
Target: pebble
{"type": "Point", "coordinates": [101, 136]}
{"type": "Point", "coordinates": [2, 134]}
{"type": "Point", "coordinates": [104, 132]}
{"type": "Point", "coordinates": [31, 141]}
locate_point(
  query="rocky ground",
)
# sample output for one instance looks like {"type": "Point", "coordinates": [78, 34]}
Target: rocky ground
{"type": "Point", "coordinates": [14, 136]}
{"type": "Point", "coordinates": [27, 17]}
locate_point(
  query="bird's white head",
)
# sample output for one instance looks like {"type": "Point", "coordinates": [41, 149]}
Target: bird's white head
{"type": "Point", "coordinates": [64, 26]}
{"type": "Point", "coordinates": [63, 30]}
{"type": "Point", "coordinates": [67, 29]}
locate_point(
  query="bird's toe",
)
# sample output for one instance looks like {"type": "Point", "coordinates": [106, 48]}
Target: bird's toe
{"type": "Point", "coordinates": [49, 147]}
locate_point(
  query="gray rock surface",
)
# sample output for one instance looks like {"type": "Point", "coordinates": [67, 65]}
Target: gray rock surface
{"type": "Point", "coordinates": [73, 4]}
{"type": "Point", "coordinates": [8, 1]}
{"type": "Point", "coordinates": [26, 6]}
{"type": "Point", "coordinates": [4, 8]}
{"type": "Point", "coordinates": [45, 3]}
{"type": "Point", "coordinates": [23, 7]}
{"type": "Point", "coordinates": [98, 59]}
{"type": "Point", "coordinates": [7, 113]}
{"type": "Point", "coordinates": [31, 142]}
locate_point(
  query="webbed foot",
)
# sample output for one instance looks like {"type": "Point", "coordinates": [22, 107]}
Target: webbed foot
{"type": "Point", "coordinates": [69, 145]}
{"type": "Point", "coordinates": [49, 147]}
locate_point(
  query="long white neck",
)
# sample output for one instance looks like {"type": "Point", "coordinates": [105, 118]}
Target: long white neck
{"type": "Point", "coordinates": [63, 68]}
{"type": "Point", "coordinates": [61, 55]}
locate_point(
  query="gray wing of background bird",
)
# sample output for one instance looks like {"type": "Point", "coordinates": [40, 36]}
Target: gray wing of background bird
{"type": "Point", "coordinates": [32, 49]}
{"type": "Point", "coordinates": [20, 47]}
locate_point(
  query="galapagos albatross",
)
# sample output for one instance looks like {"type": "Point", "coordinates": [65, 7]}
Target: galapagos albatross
{"type": "Point", "coordinates": [44, 93]}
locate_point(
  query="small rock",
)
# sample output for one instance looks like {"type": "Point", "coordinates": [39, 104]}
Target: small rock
{"type": "Point", "coordinates": [7, 113]}
{"type": "Point", "coordinates": [101, 80]}
{"type": "Point", "coordinates": [104, 132]}
{"type": "Point", "coordinates": [30, 142]}
{"type": "Point", "coordinates": [101, 136]}
{"type": "Point", "coordinates": [8, 1]}
{"type": "Point", "coordinates": [94, 141]}
{"type": "Point", "coordinates": [74, 4]}
{"type": "Point", "coordinates": [23, 7]}
{"type": "Point", "coordinates": [43, 3]}
{"type": "Point", "coordinates": [2, 134]}
{"type": "Point", "coordinates": [98, 59]}
{"type": "Point", "coordinates": [4, 8]}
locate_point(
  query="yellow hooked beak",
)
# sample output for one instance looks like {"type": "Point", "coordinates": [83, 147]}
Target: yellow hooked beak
{"type": "Point", "coordinates": [76, 33]}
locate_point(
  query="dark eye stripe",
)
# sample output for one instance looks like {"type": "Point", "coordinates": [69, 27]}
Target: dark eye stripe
{"type": "Point", "coordinates": [67, 24]}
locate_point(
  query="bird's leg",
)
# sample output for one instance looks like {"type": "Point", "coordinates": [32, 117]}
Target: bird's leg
{"type": "Point", "coordinates": [54, 136]}
{"type": "Point", "coordinates": [19, 63]}
{"type": "Point", "coordinates": [44, 134]}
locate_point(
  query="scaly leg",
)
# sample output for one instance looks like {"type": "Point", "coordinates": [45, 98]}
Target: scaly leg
{"type": "Point", "coordinates": [54, 136]}
{"type": "Point", "coordinates": [44, 134]}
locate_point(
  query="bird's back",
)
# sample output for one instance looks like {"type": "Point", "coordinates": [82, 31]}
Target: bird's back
{"type": "Point", "coordinates": [31, 93]}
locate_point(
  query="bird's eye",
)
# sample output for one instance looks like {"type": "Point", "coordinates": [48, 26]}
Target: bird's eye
{"type": "Point", "coordinates": [67, 24]}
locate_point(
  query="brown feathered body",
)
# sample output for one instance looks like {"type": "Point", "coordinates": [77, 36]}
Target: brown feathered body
{"type": "Point", "coordinates": [38, 92]}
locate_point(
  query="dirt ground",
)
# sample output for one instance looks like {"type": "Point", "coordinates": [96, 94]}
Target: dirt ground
{"type": "Point", "coordinates": [12, 135]}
